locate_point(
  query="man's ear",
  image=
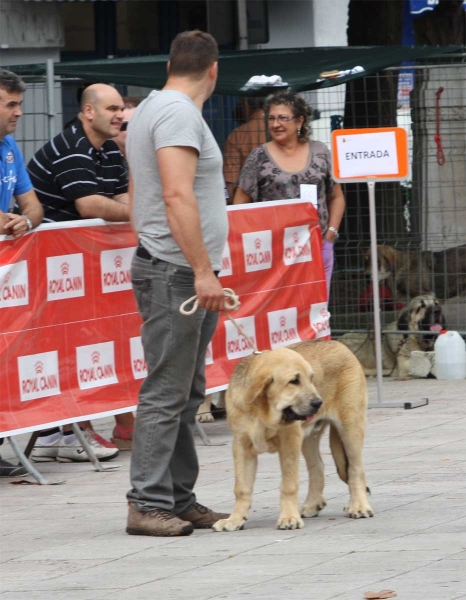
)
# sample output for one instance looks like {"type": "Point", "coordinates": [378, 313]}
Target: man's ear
{"type": "Point", "coordinates": [88, 111]}
{"type": "Point", "coordinates": [213, 71]}
{"type": "Point", "coordinates": [168, 67]}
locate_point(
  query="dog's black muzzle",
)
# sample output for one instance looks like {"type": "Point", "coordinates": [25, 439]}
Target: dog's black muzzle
{"type": "Point", "coordinates": [290, 415]}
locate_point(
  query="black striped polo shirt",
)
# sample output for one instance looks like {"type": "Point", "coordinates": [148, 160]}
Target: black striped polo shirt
{"type": "Point", "coordinates": [68, 167]}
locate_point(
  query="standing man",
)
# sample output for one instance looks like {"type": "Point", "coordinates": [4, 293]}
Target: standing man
{"type": "Point", "coordinates": [14, 180]}
{"type": "Point", "coordinates": [180, 216]}
{"type": "Point", "coordinates": [81, 173]}
{"type": "Point", "coordinates": [14, 185]}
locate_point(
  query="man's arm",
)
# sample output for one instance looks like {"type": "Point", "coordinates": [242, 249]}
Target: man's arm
{"type": "Point", "coordinates": [231, 165]}
{"type": "Point", "coordinates": [4, 219]}
{"type": "Point", "coordinates": [30, 207]}
{"type": "Point", "coordinates": [177, 167]}
{"type": "Point", "coordinates": [122, 198]}
{"type": "Point", "coordinates": [96, 206]}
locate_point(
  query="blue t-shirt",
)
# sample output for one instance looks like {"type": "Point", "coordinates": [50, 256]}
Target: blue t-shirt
{"type": "Point", "coordinates": [14, 178]}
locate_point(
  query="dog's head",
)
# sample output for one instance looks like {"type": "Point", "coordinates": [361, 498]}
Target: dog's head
{"type": "Point", "coordinates": [281, 387]}
{"type": "Point", "coordinates": [424, 313]}
{"type": "Point", "coordinates": [386, 262]}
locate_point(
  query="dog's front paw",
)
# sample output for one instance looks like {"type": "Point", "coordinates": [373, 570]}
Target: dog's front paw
{"type": "Point", "coordinates": [287, 522]}
{"type": "Point", "coordinates": [359, 510]}
{"type": "Point", "coordinates": [230, 524]}
{"type": "Point", "coordinates": [206, 417]}
{"type": "Point", "coordinates": [312, 509]}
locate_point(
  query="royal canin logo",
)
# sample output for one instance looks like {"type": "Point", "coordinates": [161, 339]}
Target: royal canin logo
{"type": "Point", "coordinates": [118, 261]}
{"type": "Point", "coordinates": [65, 277]}
{"type": "Point", "coordinates": [282, 321]}
{"type": "Point", "coordinates": [257, 244]}
{"type": "Point", "coordinates": [39, 367]}
{"type": "Point", "coordinates": [95, 357]}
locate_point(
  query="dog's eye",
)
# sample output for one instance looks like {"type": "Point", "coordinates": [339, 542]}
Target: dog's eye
{"type": "Point", "coordinates": [295, 381]}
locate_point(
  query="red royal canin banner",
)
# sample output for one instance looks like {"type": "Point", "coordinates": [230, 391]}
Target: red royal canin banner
{"type": "Point", "coordinates": [70, 346]}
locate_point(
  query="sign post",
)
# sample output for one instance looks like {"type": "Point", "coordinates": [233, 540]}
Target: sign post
{"type": "Point", "coordinates": [371, 155]}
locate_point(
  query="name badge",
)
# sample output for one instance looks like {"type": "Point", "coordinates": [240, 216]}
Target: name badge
{"type": "Point", "coordinates": [309, 192]}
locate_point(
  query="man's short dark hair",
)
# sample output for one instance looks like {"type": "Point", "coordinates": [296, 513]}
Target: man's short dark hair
{"type": "Point", "coordinates": [192, 53]}
{"type": "Point", "coordinates": [11, 82]}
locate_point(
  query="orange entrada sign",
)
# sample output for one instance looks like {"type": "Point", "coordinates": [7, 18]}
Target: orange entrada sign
{"type": "Point", "coordinates": [378, 154]}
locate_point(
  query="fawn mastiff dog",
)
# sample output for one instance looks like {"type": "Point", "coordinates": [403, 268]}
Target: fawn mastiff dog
{"type": "Point", "coordinates": [282, 401]}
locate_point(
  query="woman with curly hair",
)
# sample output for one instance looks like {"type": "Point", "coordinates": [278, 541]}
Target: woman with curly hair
{"type": "Point", "coordinates": [275, 170]}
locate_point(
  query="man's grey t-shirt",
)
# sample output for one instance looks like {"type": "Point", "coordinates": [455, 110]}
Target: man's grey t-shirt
{"type": "Point", "coordinates": [170, 118]}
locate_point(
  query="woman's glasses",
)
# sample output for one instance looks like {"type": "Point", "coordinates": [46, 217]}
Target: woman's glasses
{"type": "Point", "coordinates": [280, 119]}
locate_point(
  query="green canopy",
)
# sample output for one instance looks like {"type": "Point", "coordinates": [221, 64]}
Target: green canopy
{"type": "Point", "coordinates": [299, 67]}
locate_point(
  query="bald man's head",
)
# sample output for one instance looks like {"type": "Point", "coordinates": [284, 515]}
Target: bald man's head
{"type": "Point", "coordinates": [100, 92]}
{"type": "Point", "coordinates": [102, 110]}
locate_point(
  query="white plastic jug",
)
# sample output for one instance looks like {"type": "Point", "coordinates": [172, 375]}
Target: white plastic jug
{"type": "Point", "coordinates": [450, 356]}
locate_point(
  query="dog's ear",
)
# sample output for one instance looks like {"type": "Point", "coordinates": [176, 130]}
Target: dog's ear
{"type": "Point", "coordinates": [258, 388]}
{"type": "Point", "coordinates": [389, 254]}
{"type": "Point", "coordinates": [403, 320]}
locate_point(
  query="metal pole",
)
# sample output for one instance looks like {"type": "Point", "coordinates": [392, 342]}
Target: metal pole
{"type": "Point", "coordinates": [51, 115]}
{"type": "Point", "coordinates": [90, 450]}
{"type": "Point", "coordinates": [242, 25]}
{"type": "Point", "coordinates": [26, 463]}
{"type": "Point", "coordinates": [375, 290]}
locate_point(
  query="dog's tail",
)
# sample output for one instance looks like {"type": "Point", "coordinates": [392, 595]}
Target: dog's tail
{"type": "Point", "coordinates": [338, 453]}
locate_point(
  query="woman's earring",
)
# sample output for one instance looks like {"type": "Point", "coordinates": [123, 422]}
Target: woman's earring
{"type": "Point", "coordinates": [299, 131]}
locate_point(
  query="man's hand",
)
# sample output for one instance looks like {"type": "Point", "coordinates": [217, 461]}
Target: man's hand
{"type": "Point", "coordinates": [209, 292]}
{"type": "Point", "coordinates": [16, 225]}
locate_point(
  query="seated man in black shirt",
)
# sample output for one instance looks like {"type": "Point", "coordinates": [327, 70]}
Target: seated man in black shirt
{"type": "Point", "coordinates": [81, 174]}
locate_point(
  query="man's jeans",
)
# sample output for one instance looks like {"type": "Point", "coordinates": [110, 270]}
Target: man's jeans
{"type": "Point", "coordinates": [164, 465]}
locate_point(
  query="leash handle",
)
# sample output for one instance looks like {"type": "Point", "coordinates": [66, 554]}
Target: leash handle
{"type": "Point", "coordinates": [232, 303]}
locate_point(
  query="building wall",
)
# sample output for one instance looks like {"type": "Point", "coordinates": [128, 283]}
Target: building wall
{"type": "Point", "coordinates": [310, 23]}
{"type": "Point", "coordinates": [305, 23]}
{"type": "Point", "coordinates": [30, 25]}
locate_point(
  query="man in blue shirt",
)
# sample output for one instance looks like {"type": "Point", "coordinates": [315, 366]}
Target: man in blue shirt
{"type": "Point", "coordinates": [15, 183]}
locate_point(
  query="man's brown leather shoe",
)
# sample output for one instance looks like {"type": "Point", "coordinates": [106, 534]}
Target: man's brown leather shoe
{"type": "Point", "coordinates": [201, 517]}
{"type": "Point", "coordinates": [156, 522]}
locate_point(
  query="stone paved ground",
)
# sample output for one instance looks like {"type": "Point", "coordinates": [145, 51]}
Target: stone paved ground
{"type": "Point", "coordinates": [67, 542]}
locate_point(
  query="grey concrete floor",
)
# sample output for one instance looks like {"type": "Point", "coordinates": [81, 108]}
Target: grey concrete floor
{"type": "Point", "coordinates": [68, 542]}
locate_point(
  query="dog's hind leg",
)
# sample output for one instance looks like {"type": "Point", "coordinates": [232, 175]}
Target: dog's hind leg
{"type": "Point", "coordinates": [347, 453]}
{"type": "Point", "coordinates": [315, 500]}
{"type": "Point", "coordinates": [245, 459]}
{"type": "Point", "coordinates": [290, 441]}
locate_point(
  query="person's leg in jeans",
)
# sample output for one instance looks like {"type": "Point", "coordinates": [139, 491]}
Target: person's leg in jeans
{"type": "Point", "coordinates": [184, 464]}
{"type": "Point", "coordinates": [171, 343]}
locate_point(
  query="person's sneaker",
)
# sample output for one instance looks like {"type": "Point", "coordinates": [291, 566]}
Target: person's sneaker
{"type": "Point", "coordinates": [47, 451]}
{"type": "Point", "coordinates": [157, 522]}
{"type": "Point", "coordinates": [100, 440]}
{"type": "Point", "coordinates": [9, 470]}
{"type": "Point", "coordinates": [123, 437]}
{"type": "Point", "coordinates": [74, 452]}
{"type": "Point", "coordinates": [201, 517]}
